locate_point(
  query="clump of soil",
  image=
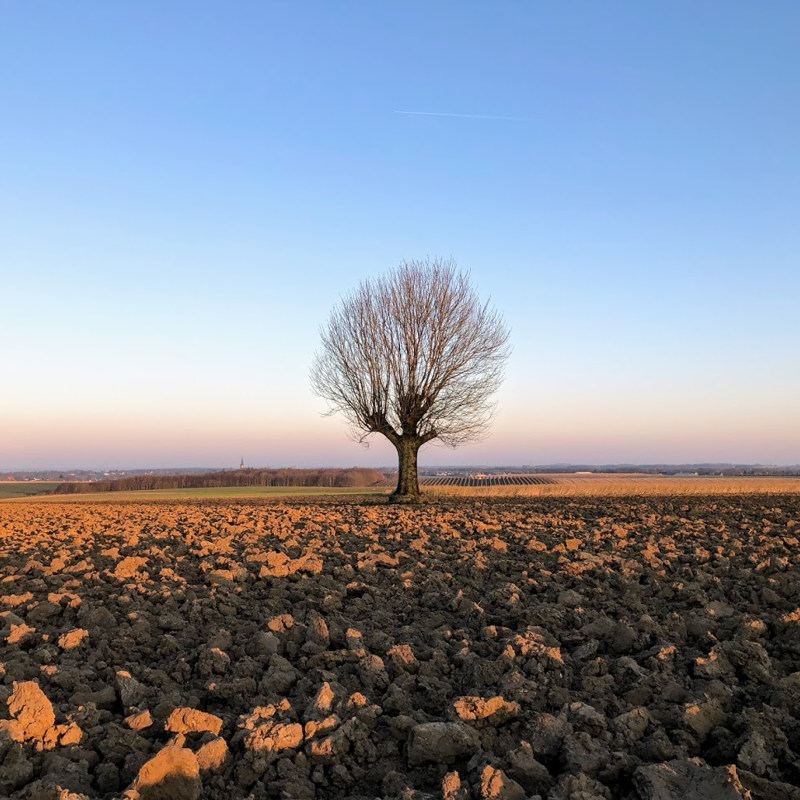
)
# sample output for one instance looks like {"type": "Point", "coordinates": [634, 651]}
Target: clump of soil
{"type": "Point", "coordinates": [565, 649]}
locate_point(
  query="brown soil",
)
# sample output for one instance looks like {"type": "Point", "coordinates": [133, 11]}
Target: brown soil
{"type": "Point", "coordinates": [641, 648]}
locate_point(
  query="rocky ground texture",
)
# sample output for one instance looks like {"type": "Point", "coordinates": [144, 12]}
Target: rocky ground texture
{"type": "Point", "coordinates": [568, 649]}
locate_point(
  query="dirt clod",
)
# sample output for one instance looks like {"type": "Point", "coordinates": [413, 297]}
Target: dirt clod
{"type": "Point", "coordinates": [172, 774]}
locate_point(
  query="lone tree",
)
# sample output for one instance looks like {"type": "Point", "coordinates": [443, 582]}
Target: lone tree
{"type": "Point", "coordinates": [413, 355]}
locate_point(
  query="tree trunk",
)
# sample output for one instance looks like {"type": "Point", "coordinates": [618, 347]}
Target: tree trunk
{"type": "Point", "coordinates": [407, 480]}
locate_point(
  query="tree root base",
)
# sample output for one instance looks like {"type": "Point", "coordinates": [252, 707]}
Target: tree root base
{"type": "Point", "coordinates": [407, 498]}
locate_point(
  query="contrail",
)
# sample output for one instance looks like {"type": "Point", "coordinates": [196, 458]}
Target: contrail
{"type": "Point", "coordinates": [462, 116]}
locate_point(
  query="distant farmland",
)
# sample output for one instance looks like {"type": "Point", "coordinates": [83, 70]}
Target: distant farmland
{"type": "Point", "coordinates": [484, 480]}
{"type": "Point", "coordinates": [25, 488]}
{"type": "Point", "coordinates": [602, 484]}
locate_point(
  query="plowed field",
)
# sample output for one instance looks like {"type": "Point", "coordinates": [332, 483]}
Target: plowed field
{"type": "Point", "coordinates": [628, 648]}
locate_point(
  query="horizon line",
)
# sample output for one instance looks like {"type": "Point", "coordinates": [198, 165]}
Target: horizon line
{"type": "Point", "coordinates": [498, 465]}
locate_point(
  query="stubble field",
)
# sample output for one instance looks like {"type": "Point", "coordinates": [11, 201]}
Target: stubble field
{"type": "Point", "coordinates": [570, 648]}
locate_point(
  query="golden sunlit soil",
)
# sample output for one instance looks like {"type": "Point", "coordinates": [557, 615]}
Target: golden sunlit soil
{"type": "Point", "coordinates": [585, 648]}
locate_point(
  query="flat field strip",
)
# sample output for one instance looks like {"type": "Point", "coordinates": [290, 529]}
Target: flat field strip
{"type": "Point", "coordinates": [620, 484]}
{"type": "Point", "coordinates": [207, 493]}
{"type": "Point", "coordinates": [552, 485]}
{"type": "Point", "coordinates": [25, 488]}
{"type": "Point", "coordinates": [484, 480]}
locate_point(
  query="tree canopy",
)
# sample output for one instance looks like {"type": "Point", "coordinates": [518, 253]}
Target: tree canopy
{"type": "Point", "coordinates": [413, 355]}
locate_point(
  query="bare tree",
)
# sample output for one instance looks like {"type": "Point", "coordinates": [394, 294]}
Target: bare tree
{"type": "Point", "coordinates": [415, 356]}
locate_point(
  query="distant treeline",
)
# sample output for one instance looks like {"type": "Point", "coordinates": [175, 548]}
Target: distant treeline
{"type": "Point", "coordinates": [339, 478]}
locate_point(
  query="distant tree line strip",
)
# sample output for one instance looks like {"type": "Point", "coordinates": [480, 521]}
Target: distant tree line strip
{"type": "Point", "coordinates": [334, 478]}
{"type": "Point", "coordinates": [489, 480]}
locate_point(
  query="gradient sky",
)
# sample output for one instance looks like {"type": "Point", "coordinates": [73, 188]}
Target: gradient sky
{"type": "Point", "coordinates": [186, 188]}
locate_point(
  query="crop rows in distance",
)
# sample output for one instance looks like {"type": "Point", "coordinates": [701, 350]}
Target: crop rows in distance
{"type": "Point", "coordinates": [488, 480]}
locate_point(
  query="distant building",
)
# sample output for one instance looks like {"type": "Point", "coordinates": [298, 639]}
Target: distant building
{"type": "Point", "coordinates": [241, 464]}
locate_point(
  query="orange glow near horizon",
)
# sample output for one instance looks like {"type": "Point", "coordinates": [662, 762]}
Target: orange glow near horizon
{"type": "Point", "coordinates": [113, 443]}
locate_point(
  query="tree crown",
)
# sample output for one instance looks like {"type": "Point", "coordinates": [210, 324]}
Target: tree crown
{"type": "Point", "coordinates": [413, 354]}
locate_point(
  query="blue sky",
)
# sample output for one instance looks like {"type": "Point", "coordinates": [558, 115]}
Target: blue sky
{"type": "Point", "coordinates": [186, 189]}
